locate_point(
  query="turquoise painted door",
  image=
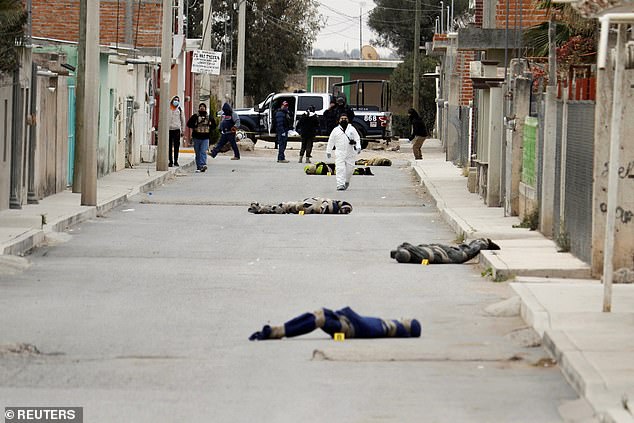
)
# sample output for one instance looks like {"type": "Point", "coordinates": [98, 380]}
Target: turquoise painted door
{"type": "Point", "coordinates": [71, 133]}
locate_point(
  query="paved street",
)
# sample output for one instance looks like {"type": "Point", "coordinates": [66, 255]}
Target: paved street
{"type": "Point", "coordinates": [143, 314]}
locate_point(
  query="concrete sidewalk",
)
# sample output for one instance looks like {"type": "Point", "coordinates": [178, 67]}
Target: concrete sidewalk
{"type": "Point", "coordinates": [595, 350]}
{"type": "Point", "coordinates": [21, 230]}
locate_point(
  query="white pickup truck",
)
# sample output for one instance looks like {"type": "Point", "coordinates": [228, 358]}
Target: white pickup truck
{"type": "Point", "coordinates": [370, 122]}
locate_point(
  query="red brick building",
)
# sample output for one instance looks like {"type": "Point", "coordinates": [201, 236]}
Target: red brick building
{"type": "Point", "coordinates": [139, 22]}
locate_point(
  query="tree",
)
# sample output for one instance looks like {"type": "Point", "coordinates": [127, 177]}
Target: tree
{"type": "Point", "coordinates": [13, 17]}
{"type": "Point", "coordinates": [575, 37]}
{"type": "Point", "coordinates": [393, 21]}
{"type": "Point", "coordinates": [401, 86]}
{"type": "Point", "coordinates": [279, 35]}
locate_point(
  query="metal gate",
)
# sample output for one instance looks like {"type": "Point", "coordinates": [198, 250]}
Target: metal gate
{"type": "Point", "coordinates": [578, 176]}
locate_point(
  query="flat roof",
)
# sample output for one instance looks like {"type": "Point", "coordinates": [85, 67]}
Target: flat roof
{"type": "Point", "coordinates": [353, 63]}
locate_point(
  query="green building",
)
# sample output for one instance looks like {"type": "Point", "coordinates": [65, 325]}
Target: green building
{"type": "Point", "coordinates": [322, 74]}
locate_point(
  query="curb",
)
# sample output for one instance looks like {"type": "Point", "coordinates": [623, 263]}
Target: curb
{"type": "Point", "coordinates": [531, 310]}
{"type": "Point", "coordinates": [33, 238]}
{"type": "Point", "coordinates": [584, 377]}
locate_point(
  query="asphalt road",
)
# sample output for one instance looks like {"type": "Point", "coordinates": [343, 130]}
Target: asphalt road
{"type": "Point", "coordinates": [143, 314]}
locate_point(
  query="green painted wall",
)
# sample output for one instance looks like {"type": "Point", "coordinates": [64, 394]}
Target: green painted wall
{"type": "Point", "coordinates": [346, 73]}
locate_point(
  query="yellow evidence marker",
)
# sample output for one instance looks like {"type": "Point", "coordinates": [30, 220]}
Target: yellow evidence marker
{"type": "Point", "coordinates": [301, 212]}
{"type": "Point", "coordinates": [340, 336]}
{"type": "Point", "coordinates": [425, 262]}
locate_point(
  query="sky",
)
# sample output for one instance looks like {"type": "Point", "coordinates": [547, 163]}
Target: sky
{"type": "Point", "coordinates": [342, 25]}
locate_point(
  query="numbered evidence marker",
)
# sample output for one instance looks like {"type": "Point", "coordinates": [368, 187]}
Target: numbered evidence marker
{"type": "Point", "coordinates": [340, 336]}
{"type": "Point", "coordinates": [425, 262]}
{"type": "Point", "coordinates": [329, 174]}
{"type": "Point", "coordinates": [301, 212]}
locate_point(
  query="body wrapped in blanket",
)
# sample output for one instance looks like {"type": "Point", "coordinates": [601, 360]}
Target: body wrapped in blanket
{"type": "Point", "coordinates": [440, 253]}
{"type": "Point", "coordinates": [314, 205]}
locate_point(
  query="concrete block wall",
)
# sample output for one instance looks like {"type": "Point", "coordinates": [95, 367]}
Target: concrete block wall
{"type": "Point", "coordinates": [624, 229]}
{"type": "Point", "coordinates": [6, 104]}
{"type": "Point", "coordinates": [59, 19]}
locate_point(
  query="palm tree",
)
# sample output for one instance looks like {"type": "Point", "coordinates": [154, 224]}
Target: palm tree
{"type": "Point", "coordinates": [13, 17]}
{"type": "Point", "coordinates": [570, 24]}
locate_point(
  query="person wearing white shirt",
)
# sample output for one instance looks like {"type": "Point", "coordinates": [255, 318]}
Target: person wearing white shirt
{"type": "Point", "coordinates": [345, 139]}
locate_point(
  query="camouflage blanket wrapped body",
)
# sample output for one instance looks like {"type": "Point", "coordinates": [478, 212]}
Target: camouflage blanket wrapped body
{"type": "Point", "coordinates": [375, 161]}
{"type": "Point", "coordinates": [314, 205]}
{"type": "Point", "coordinates": [322, 168]}
{"type": "Point", "coordinates": [440, 253]}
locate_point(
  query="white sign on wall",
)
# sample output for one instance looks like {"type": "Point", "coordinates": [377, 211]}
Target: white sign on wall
{"type": "Point", "coordinates": [206, 62]}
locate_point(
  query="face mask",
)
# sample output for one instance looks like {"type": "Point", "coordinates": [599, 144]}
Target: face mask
{"type": "Point", "coordinates": [175, 102]}
{"type": "Point", "coordinates": [344, 124]}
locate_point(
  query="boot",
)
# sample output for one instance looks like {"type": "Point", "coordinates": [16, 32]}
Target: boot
{"type": "Point", "coordinates": [300, 159]}
{"type": "Point", "coordinates": [307, 159]}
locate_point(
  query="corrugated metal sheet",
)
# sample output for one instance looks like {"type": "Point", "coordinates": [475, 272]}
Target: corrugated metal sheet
{"type": "Point", "coordinates": [579, 168]}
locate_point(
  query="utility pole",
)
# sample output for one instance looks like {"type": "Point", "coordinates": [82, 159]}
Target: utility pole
{"type": "Point", "coordinates": [80, 105]}
{"type": "Point", "coordinates": [360, 31]}
{"type": "Point", "coordinates": [87, 101]}
{"type": "Point", "coordinates": [613, 175]}
{"type": "Point", "coordinates": [205, 86]}
{"type": "Point", "coordinates": [242, 17]}
{"type": "Point", "coordinates": [547, 206]}
{"type": "Point", "coordinates": [166, 70]}
{"type": "Point", "coordinates": [415, 77]}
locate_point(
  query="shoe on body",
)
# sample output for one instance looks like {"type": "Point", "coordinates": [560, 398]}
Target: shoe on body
{"type": "Point", "coordinates": [282, 161]}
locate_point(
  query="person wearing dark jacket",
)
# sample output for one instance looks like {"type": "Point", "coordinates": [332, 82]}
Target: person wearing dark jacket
{"type": "Point", "coordinates": [330, 118]}
{"type": "Point", "coordinates": [419, 133]}
{"type": "Point", "coordinates": [229, 124]}
{"type": "Point", "coordinates": [342, 107]}
{"type": "Point", "coordinates": [308, 126]}
{"type": "Point", "coordinates": [282, 126]}
{"type": "Point", "coordinates": [202, 125]}
{"type": "Point", "coordinates": [345, 321]}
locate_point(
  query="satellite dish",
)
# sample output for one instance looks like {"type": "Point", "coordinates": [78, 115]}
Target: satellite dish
{"type": "Point", "coordinates": [369, 53]}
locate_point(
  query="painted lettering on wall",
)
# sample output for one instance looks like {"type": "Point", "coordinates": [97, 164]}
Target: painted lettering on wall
{"type": "Point", "coordinates": [623, 215]}
{"type": "Point", "coordinates": [626, 171]}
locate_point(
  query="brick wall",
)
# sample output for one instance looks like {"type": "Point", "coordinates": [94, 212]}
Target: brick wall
{"type": "Point", "coordinates": [59, 19]}
{"type": "Point", "coordinates": [526, 10]}
{"type": "Point", "coordinates": [463, 59]}
{"type": "Point", "coordinates": [479, 13]}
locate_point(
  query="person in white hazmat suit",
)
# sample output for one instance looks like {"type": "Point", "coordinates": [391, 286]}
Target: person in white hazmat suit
{"type": "Point", "coordinates": [347, 142]}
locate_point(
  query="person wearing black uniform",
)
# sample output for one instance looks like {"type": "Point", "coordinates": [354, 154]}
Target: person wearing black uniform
{"type": "Point", "coordinates": [419, 133]}
{"type": "Point", "coordinates": [308, 126]}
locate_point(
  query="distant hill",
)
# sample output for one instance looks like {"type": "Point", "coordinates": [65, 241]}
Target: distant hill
{"type": "Point", "coordinates": [353, 54]}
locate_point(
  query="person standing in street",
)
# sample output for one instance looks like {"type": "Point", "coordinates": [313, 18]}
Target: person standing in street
{"type": "Point", "coordinates": [419, 133]}
{"type": "Point", "coordinates": [347, 142]}
{"type": "Point", "coordinates": [282, 126]}
{"type": "Point", "coordinates": [202, 125]}
{"type": "Point", "coordinates": [229, 124]}
{"type": "Point", "coordinates": [308, 127]}
{"type": "Point", "coordinates": [176, 130]}
{"type": "Point", "coordinates": [342, 107]}
{"type": "Point", "coordinates": [330, 118]}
